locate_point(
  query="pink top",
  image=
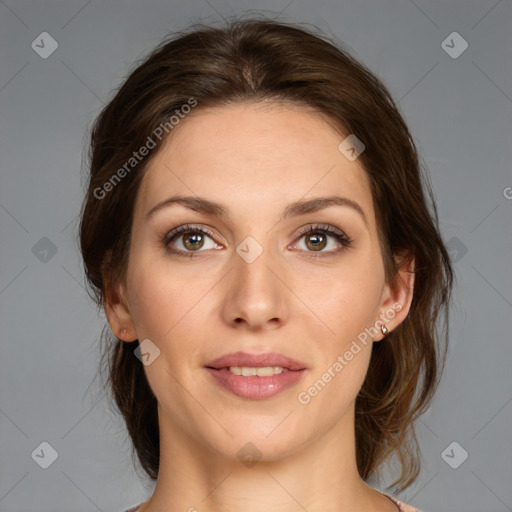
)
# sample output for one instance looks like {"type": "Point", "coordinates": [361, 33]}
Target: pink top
{"type": "Point", "coordinates": [402, 507]}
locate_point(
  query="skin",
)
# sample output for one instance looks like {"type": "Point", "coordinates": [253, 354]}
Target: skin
{"type": "Point", "coordinates": [255, 159]}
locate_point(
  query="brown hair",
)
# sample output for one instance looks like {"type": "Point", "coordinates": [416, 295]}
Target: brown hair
{"type": "Point", "coordinates": [254, 60]}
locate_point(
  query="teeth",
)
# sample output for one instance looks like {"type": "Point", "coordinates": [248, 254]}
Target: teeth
{"type": "Point", "coordinates": [265, 371]}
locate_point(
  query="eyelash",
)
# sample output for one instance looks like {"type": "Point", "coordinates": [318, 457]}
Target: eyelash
{"type": "Point", "coordinates": [325, 229]}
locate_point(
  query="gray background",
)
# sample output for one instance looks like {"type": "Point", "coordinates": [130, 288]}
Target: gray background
{"type": "Point", "coordinates": [459, 111]}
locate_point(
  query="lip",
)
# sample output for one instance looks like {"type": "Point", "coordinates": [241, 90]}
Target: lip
{"type": "Point", "coordinates": [256, 361]}
{"type": "Point", "coordinates": [254, 387]}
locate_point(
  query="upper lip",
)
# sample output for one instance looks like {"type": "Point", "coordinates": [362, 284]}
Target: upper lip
{"type": "Point", "coordinates": [255, 361]}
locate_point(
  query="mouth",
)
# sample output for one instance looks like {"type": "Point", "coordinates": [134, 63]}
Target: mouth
{"type": "Point", "coordinates": [255, 376]}
{"type": "Point", "coordinates": [246, 360]}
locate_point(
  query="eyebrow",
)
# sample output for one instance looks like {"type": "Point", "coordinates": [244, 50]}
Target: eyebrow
{"type": "Point", "coordinates": [295, 209]}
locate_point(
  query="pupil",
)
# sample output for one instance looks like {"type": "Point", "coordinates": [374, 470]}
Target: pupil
{"type": "Point", "coordinates": [197, 241]}
{"type": "Point", "coordinates": [320, 241]}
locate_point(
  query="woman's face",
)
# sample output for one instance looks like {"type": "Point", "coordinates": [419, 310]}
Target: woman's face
{"type": "Point", "coordinates": [255, 281]}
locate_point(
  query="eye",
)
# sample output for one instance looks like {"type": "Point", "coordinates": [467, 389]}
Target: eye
{"type": "Point", "coordinates": [187, 240]}
{"type": "Point", "coordinates": [317, 238]}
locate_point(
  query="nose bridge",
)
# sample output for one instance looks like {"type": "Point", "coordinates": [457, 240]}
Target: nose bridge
{"type": "Point", "coordinates": [255, 294]}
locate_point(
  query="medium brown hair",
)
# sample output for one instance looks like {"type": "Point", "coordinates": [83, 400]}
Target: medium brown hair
{"type": "Point", "coordinates": [255, 60]}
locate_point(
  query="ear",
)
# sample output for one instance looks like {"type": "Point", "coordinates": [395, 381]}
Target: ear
{"type": "Point", "coordinates": [116, 305]}
{"type": "Point", "coordinates": [397, 295]}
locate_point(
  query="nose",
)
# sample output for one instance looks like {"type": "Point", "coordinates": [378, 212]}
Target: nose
{"type": "Point", "coordinates": [255, 297]}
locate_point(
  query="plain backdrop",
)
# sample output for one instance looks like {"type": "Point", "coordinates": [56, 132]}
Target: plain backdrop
{"type": "Point", "coordinates": [457, 101]}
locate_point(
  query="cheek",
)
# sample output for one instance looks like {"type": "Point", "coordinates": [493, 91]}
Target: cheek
{"type": "Point", "coordinates": [331, 392]}
{"type": "Point", "coordinates": [168, 308]}
{"type": "Point", "coordinates": [347, 307]}
{"type": "Point", "coordinates": [155, 306]}
{"type": "Point", "coordinates": [346, 300]}
{"type": "Point", "coordinates": [161, 312]}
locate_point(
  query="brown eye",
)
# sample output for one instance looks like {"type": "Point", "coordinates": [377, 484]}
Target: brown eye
{"type": "Point", "coordinates": [322, 240]}
{"type": "Point", "coordinates": [194, 241]}
{"type": "Point", "coordinates": [316, 241]}
{"type": "Point", "coordinates": [189, 240]}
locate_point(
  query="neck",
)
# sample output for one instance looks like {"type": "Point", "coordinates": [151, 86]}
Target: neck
{"type": "Point", "coordinates": [321, 476]}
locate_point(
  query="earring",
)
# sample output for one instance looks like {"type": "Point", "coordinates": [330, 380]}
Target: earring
{"type": "Point", "coordinates": [123, 332]}
{"type": "Point", "coordinates": [384, 330]}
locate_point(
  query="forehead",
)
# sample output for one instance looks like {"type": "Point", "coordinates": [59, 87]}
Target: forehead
{"type": "Point", "coordinates": [251, 156]}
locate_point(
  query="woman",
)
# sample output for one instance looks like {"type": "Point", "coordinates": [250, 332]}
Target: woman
{"type": "Point", "coordinates": [267, 252]}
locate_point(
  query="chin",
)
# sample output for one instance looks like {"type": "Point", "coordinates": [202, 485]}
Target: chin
{"type": "Point", "coordinates": [257, 441]}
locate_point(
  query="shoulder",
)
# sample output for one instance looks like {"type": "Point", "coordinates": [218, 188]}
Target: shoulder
{"type": "Point", "coordinates": [407, 508]}
{"type": "Point", "coordinates": [404, 507]}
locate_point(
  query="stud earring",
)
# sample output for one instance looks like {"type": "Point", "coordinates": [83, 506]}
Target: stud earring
{"type": "Point", "coordinates": [384, 330]}
{"type": "Point", "coordinates": [123, 332]}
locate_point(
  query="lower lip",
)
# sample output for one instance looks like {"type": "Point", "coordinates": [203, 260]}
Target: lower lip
{"type": "Point", "coordinates": [254, 387]}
